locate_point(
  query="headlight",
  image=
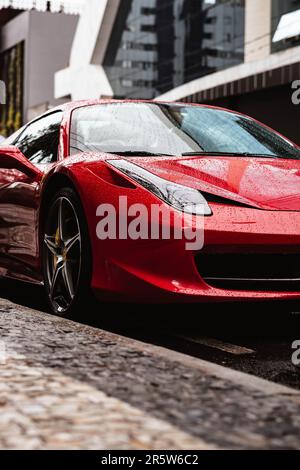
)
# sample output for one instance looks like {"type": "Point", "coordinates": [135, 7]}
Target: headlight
{"type": "Point", "coordinates": [185, 199]}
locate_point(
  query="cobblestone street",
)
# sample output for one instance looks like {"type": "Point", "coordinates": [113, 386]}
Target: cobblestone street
{"type": "Point", "coordinates": [66, 385]}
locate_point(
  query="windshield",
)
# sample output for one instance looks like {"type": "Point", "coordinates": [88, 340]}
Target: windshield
{"type": "Point", "coordinates": [172, 129]}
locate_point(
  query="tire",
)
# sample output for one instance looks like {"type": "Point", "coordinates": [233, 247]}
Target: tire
{"type": "Point", "coordinates": [66, 255]}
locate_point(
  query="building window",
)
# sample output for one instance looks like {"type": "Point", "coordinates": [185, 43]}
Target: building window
{"type": "Point", "coordinates": [208, 35]}
{"type": "Point", "coordinates": [144, 83]}
{"type": "Point", "coordinates": [211, 20]}
{"type": "Point", "coordinates": [139, 46]}
{"type": "Point", "coordinates": [127, 64]}
{"type": "Point", "coordinates": [151, 28]}
{"type": "Point", "coordinates": [126, 83]}
{"type": "Point", "coordinates": [285, 24]}
{"type": "Point", "coordinates": [148, 11]}
{"type": "Point", "coordinates": [150, 47]}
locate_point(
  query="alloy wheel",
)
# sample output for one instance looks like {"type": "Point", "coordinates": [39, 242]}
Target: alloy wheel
{"type": "Point", "coordinates": [62, 241]}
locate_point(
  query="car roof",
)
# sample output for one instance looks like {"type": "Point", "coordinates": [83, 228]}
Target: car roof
{"type": "Point", "coordinates": [71, 105]}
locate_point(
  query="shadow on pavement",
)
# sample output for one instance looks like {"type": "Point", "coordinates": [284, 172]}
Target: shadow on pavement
{"type": "Point", "coordinates": [235, 320]}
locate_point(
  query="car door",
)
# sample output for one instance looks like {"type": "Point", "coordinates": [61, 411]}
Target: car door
{"type": "Point", "coordinates": [19, 198]}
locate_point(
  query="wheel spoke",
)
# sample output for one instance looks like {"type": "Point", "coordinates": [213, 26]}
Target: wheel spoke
{"type": "Point", "coordinates": [68, 281]}
{"type": "Point", "coordinates": [71, 242]}
{"type": "Point", "coordinates": [50, 244]}
{"type": "Point", "coordinates": [60, 219]}
{"type": "Point", "coordinates": [54, 279]}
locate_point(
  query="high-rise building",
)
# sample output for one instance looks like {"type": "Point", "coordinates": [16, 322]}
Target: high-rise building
{"type": "Point", "coordinates": [261, 85]}
{"type": "Point", "coordinates": [157, 45]}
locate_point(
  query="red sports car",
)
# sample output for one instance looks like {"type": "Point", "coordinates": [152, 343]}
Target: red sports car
{"type": "Point", "coordinates": [75, 179]}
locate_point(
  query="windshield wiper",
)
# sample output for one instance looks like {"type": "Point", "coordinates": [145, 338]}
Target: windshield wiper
{"type": "Point", "coordinates": [221, 154]}
{"type": "Point", "coordinates": [141, 153]}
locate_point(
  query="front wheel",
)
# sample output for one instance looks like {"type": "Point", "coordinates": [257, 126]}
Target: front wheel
{"type": "Point", "coordinates": [66, 255]}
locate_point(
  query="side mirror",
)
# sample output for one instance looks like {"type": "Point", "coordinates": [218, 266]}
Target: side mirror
{"type": "Point", "coordinates": [12, 157]}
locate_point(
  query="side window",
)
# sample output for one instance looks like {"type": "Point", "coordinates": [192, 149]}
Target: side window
{"type": "Point", "coordinates": [12, 138]}
{"type": "Point", "coordinates": [39, 142]}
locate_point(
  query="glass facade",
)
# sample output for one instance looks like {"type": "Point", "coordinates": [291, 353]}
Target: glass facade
{"type": "Point", "coordinates": [157, 45]}
{"type": "Point", "coordinates": [279, 9]}
{"type": "Point", "coordinates": [11, 73]}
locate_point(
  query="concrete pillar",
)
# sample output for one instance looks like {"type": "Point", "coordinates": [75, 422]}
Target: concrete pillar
{"type": "Point", "coordinates": [85, 78]}
{"type": "Point", "coordinates": [258, 29]}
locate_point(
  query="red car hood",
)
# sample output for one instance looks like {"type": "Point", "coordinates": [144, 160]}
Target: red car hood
{"type": "Point", "coordinates": [261, 182]}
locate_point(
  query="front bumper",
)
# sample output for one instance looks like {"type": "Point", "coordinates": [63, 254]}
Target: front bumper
{"type": "Point", "coordinates": [164, 271]}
